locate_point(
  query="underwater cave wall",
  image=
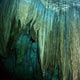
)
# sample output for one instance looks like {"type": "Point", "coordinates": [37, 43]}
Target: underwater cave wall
{"type": "Point", "coordinates": [57, 27]}
{"type": "Point", "coordinates": [13, 14]}
{"type": "Point", "coordinates": [7, 8]}
{"type": "Point", "coordinates": [59, 38]}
